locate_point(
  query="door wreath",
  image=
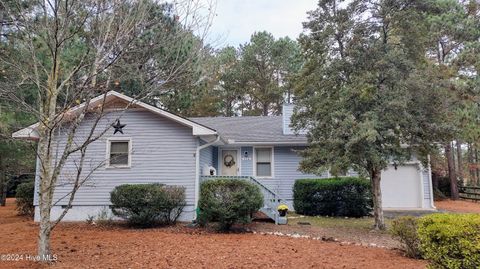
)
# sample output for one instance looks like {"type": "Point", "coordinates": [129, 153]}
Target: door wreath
{"type": "Point", "coordinates": [228, 160]}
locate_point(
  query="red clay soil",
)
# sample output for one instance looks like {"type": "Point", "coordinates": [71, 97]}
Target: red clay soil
{"type": "Point", "coordinates": [81, 245]}
{"type": "Point", "coordinates": [460, 206]}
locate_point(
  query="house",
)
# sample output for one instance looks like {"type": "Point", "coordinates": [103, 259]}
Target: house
{"type": "Point", "coordinates": [151, 145]}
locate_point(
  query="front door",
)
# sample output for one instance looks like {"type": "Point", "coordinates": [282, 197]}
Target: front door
{"type": "Point", "coordinates": [229, 162]}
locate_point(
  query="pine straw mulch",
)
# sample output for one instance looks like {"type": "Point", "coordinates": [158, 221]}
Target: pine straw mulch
{"type": "Point", "coordinates": [459, 206]}
{"type": "Point", "coordinates": [81, 245]}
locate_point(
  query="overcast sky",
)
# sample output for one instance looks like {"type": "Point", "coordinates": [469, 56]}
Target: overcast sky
{"type": "Point", "coordinates": [237, 20]}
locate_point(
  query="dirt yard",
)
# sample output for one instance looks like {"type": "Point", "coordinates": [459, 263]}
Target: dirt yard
{"type": "Point", "coordinates": [354, 230]}
{"type": "Point", "coordinates": [459, 206]}
{"type": "Point", "coordinates": [87, 246]}
{"type": "Point", "coordinates": [344, 230]}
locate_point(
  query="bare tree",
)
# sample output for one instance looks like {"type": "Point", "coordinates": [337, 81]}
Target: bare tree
{"type": "Point", "coordinates": [68, 52]}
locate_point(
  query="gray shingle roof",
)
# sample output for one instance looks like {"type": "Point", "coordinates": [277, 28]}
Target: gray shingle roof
{"type": "Point", "coordinates": [251, 129]}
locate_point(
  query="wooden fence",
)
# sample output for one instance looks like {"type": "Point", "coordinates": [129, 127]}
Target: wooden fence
{"type": "Point", "coordinates": [471, 193]}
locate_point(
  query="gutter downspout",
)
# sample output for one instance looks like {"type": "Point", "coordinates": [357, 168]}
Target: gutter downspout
{"type": "Point", "coordinates": [197, 171]}
{"type": "Point", "coordinates": [431, 183]}
{"type": "Point", "coordinates": [422, 182]}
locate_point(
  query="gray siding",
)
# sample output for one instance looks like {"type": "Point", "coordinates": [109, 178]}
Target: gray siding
{"type": "Point", "coordinates": [215, 157]}
{"type": "Point", "coordinates": [206, 159]}
{"type": "Point", "coordinates": [247, 163]}
{"type": "Point", "coordinates": [286, 162]}
{"type": "Point", "coordinates": [162, 151]}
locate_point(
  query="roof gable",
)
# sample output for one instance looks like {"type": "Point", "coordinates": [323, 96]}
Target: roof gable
{"type": "Point", "coordinates": [30, 132]}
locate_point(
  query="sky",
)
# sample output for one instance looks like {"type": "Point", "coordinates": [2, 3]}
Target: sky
{"type": "Point", "coordinates": [237, 20]}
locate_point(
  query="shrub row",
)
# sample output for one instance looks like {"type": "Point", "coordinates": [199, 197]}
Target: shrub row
{"type": "Point", "coordinates": [225, 201]}
{"type": "Point", "coordinates": [146, 205]}
{"type": "Point", "coordinates": [345, 196]}
{"type": "Point", "coordinates": [228, 201]}
{"type": "Point", "coordinates": [450, 241]}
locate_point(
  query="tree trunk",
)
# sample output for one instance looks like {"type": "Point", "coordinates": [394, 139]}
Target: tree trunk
{"type": "Point", "coordinates": [45, 195]}
{"type": "Point", "coordinates": [470, 161]}
{"type": "Point", "coordinates": [375, 176]}
{"type": "Point", "coordinates": [435, 180]}
{"type": "Point", "coordinates": [3, 188]}
{"type": "Point", "coordinates": [459, 160]}
{"type": "Point", "coordinates": [477, 168]}
{"type": "Point", "coordinates": [3, 184]}
{"type": "Point", "coordinates": [47, 184]}
{"type": "Point", "coordinates": [44, 248]}
{"type": "Point", "coordinates": [265, 109]}
{"type": "Point", "coordinates": [228, 108]}
{"type": "Point", "coordinates": [451, 172]}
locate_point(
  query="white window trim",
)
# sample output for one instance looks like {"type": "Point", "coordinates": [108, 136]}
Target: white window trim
{"type": "Point", "coordinates": [272, 160]}
{"type": "Point", "coordinates": [107, 158]}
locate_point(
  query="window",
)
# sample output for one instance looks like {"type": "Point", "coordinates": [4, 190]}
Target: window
{"type": "Point", "coordinates": [118, 153]}
{"type": "Point", "coordinates": [263, 159]}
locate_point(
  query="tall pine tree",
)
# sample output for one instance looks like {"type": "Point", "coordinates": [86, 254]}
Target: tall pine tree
{"type": "Point", "coordinates": [361, 94]}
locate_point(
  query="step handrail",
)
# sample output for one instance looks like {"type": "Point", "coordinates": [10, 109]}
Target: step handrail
{"type": "Point", "coordinates": [263, 186]}
{"type": "Point", "coordinates": [278, 199]}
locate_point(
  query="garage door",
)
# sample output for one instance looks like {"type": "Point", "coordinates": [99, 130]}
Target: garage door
{"type": "Point", "coordinates": [401, 188]}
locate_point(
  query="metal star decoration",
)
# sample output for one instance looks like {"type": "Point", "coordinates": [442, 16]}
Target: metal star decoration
{"type": "Point", "coordinates": [118, 127]}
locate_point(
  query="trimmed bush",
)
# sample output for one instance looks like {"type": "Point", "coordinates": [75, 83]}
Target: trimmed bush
{"type": "Point", "coordinates": [405, 230]}
{"type": "Point", "coordinates": [450, 241]}
{"type": "Point", "coordinates": [228, 201]}
{"type": "Point", "coordinates": [146, 205]}
{"type": "Point", "coordinates": [24, 198]}
{"type": "Point", "coordinates": [345, 196]}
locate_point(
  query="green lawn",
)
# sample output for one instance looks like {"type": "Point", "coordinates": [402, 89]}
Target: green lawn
{"type": "Point", "coordinates": [365, 223]}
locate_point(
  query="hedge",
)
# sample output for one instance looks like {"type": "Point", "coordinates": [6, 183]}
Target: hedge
{"type": "Point", "coordinates": [24, 198]}
{"type": "Point", "coordinates": [146, 205]}
{"type": "Point", "coordinates": [345, 196]}
{"type": "Point", "coordinates": [450, 241]}
{"type": "Point", "coordinates": [228, 201]}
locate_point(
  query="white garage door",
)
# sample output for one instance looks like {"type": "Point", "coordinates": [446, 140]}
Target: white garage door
{"type": "Point", "coordinates": [401, 188]}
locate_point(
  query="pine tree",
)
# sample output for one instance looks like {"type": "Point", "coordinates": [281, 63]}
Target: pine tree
{"type": "Point", "coordinates": [363, 95]}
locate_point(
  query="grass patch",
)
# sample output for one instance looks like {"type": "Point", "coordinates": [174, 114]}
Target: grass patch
{"type": "Point", "coordinates": [364, 223]}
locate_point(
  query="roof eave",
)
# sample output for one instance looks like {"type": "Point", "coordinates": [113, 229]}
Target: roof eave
{"type": "Point", "coordinates": [29, 133]}
{"type": "Point", "coordinates": [269, 143]}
